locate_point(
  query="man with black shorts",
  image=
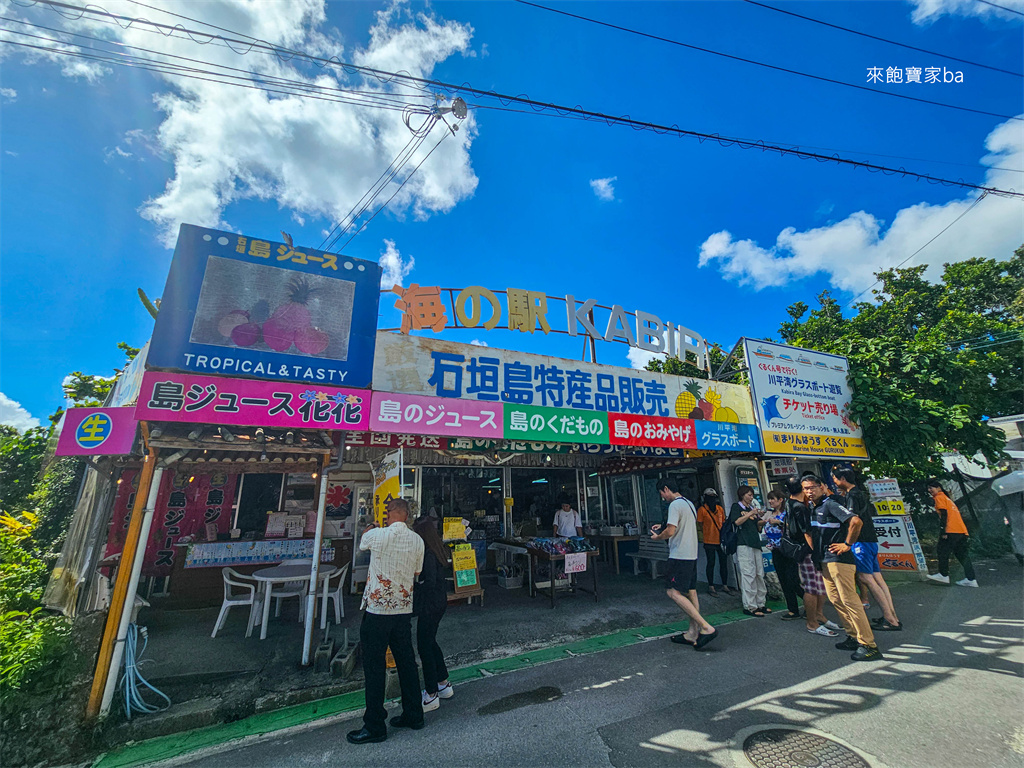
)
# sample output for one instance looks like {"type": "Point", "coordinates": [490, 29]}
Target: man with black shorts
{"type": "Point", "coordinates": [681, 533]}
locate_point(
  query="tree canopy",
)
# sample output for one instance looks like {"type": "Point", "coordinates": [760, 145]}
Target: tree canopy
{"type": "Point", "coordinates": [929, 362]}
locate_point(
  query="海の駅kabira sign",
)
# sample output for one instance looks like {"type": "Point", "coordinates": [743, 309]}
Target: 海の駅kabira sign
{"type": "Point", "coordinates": [235, 305]}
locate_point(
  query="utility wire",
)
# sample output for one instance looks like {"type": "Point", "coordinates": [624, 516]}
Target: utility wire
{"type": "Point", "coordinates": [1001, 7]}
{"type": "Point", "coordinates": [954, 221]}
{"type": "Point", "coordinates": [763, 64]}
{"type": "Point", "coordinates": [537, 106]}
{"type": "Point", "coordinates": [882, 39]}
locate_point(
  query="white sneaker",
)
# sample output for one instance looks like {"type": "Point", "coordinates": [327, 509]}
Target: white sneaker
{"type": "Point", "coordinates": [445, 691]}
{"type": "Point", "coordinates": [967, 583]}
{"type": "Point", "coordinates": [430, 703]}
{"type": "Point", "coordinates": [938, 578]}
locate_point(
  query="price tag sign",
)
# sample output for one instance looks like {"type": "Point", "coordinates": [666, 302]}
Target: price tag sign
{"type": "Point", "coordinates": [576, 562]}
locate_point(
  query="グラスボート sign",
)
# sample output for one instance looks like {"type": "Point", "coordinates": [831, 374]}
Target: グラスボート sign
{"type": "Point", "coordinates": [802, 402]}
{"type": "Point", "coordinates": [237, 306]}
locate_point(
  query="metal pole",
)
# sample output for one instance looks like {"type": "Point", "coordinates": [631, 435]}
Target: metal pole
{"type": "Point", "coordinates": [133, 585]}
{"type": "Point", "coordinates": [117, 599]}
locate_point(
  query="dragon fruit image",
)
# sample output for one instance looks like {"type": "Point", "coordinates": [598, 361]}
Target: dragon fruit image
{"type": "Point", "coordinates": [232, 320]}
{"type": "Point", "coordinates": [311, 340]}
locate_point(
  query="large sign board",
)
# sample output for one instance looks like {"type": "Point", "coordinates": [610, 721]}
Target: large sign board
{"type": "Point", "coordinates": [246, 402]}
{"type": "Point", "coordinates": [802, 402]}
{"type": "Point", "coordinates": [239, 306]}
{"type": "Point", "coordinates": [423, 366]}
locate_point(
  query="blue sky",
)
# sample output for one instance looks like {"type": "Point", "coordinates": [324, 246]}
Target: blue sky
{"type": "Point", "coordinates": [100, 164]}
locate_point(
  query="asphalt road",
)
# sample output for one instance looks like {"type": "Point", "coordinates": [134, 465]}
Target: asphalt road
{"type": "Point", "coordinates": [949, 693]}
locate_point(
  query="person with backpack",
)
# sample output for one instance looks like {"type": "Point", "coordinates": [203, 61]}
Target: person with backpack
{"type": "Point", "coordinates": [681, 533]}
{"type": "Point", "coordinates": [746, 518]}
{"type": "Point", "coordinates": [711, 517]}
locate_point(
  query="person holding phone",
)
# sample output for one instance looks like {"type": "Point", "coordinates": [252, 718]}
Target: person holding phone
{"type": "Point", "coordinates": [747, 518]}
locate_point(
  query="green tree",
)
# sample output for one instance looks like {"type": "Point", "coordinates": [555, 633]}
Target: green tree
{"type": "Point", "coordinates": [928, 361]}
{"type": "Point", "coordinates": [21, 457]}
{"type": "Point", "coordinates": [688, 367]}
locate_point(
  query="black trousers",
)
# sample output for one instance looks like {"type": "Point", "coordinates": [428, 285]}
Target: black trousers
{"type": "Point", "coordinates": [788, 571]}
{"type": "Point", "coordinates": [710, 552]}
{"type": "Point", "coordinates": [376, 633]}
{"type": "Point", "coordinates": [958, 544]}
{"type": "Point", "coordinates": [431, 656]}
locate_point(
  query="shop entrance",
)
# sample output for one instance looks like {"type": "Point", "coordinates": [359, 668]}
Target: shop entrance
{"type": "Point", "coordinates": [538, 493]}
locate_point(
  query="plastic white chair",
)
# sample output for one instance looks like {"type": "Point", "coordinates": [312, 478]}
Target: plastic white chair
{"type": "Point", "coordinates": [335, 595]}
{"type": "Point", "coordinates": [299, 589]}
{"type": "Point", "coordinates": [245, 596]}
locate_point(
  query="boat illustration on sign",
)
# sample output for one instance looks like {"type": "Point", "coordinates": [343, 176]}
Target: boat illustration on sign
{"type": "Point", "coordinates": [786, 356]}
{"type": "Point", "coordinates": [803, 360]}
{"type": "Point", "coordinates": [762, 352]}
{"type": "Point", "coordinates": [819, 364]}
{"type": "Point", "coordinates": [839, 368]}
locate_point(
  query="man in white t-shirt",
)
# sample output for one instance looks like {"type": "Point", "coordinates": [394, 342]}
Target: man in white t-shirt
{"type": "Point", "coordinates": [681, 533]}
{"type": "Point", "coordinates": [567, 521]}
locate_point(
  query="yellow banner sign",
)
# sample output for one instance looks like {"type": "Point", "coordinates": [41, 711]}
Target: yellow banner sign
{"type": "Point", "coordinates": [454, 529]}
{"type": "Point", "coordinates": [796, 444]}
{"type": "Point", "coordinates": [387, 484]}
{"type": "Point", "coordinates": [890, 507]}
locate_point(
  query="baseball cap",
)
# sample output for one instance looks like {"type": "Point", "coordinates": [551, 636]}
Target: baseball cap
{"type": "Point", "coordinates": [710, 492]}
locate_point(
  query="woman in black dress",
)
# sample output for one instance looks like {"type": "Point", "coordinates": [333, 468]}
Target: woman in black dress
{"type": "Point", "coordinates": [429, 601]}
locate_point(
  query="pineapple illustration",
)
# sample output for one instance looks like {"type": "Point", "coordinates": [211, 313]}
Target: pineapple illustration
{"type": "Point", "coordinates": [689, 400]}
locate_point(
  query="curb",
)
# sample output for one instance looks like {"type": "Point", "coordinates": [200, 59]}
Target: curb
{"type": "Point", "coordinates": [254, 727]}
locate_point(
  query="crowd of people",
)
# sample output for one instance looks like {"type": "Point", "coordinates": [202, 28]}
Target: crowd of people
{"type": "Point", "coordinates": [822, 542]}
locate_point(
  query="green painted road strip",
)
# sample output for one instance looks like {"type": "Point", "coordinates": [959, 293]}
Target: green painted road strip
{"type": "Point", "coordinates": [179, 744]}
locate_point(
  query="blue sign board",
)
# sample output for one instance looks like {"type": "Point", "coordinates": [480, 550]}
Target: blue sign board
{"type": "Point", "coordinates": [244, 307]}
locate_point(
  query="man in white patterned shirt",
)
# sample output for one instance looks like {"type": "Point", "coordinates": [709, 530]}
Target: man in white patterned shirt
{"type": "Point", "coordinates": [396, 557]}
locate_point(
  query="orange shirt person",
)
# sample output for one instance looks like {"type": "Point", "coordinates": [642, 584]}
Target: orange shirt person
{"type": "Point", "coordinates": [953, 538]}
{"type": "Point", "coordinates": [711, 516]}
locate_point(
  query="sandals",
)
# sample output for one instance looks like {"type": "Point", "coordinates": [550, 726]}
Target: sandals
{"type": "Point", "coordinates": [756, 612]}
{"type": "Point", "coordinates": [787, 616]}
{"type": "Point", "coordinates": [823, 631]}
{"type": "Point", "coordinates": [765, 609]}
{"type": "Point", "coordinates": [712, 591]}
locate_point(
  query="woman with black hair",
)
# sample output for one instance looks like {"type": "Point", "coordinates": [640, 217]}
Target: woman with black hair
{"type": "Point", "coordinates": [429, 602]}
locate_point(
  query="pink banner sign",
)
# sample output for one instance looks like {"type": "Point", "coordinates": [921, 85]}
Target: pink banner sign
{"type": "Point", "coordinates": [245, 402]}
{"type": "Point", "coordinates": [449, 416]}
{"type": "Point", "coordinates": [97, 432]}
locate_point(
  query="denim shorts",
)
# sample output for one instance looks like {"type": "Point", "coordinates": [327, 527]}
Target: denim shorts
{"type": "Point", "coordinates": [867, 557]}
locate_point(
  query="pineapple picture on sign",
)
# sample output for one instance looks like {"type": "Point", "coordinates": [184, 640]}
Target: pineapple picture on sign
{"type": "Point", "coordinates": [702, 402]}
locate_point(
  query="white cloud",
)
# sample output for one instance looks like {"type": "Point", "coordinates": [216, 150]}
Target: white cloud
{"type": "Point", "coordinates": [12, 413]}
{"type": "Point", "coordinates": [639, 358]}
{"type": "Point", "coordinates": [478, 343]}
{"type": "Point", "coordinates": [850, 251]}
{"type": "Point", "coordinates": [314, 158]}
{"type": "Point", "coordinates": [9, 152]}
{"type": "Point", "coordinates": [927, 11]}
{"type": "Point", "coordinates": [8, 94]}
{"type": "Point", "coordinates": [604, 188]}
{"type": "Point", "coordinates": [113, 154]}
{"type": "Point", "coordinates": [395, 267]}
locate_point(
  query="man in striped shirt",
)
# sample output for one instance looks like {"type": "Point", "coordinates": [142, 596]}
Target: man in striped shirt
{"type": "Point", "coordinates": [396, 558]}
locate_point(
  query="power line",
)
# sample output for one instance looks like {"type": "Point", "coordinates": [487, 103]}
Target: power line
{"type": "Point", "coordinates": [763, 64]}
{"type": "Point", "coordinates": [954, 221]}
{"type": "Point", "coordinates": [882, 39]}
{"type": "Point", "coordinates": [1001, 7]}
{"type": "Point", "coordinates": [539, 106]}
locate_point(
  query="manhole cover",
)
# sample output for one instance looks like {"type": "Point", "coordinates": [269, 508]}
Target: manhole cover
{"type": "Point", "coordinates": [785, 748]}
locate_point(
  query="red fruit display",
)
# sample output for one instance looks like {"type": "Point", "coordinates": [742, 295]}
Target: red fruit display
{"type": "Point", "coordinates": [277, 336]}
{"type": "Point", "coordinates": [246, 334]}
{"type": "Point", "coordinates": [311, 340]}
{"type": "Point", "coordinates": [232, 320]}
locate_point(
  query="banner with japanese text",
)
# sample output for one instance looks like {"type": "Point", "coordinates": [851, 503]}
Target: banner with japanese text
{"type": "Point", "coordinates": [899, 548]}
{"type": "Point", "coordinates": [97, 432]}
{"type": "Point", "coordinates": [246, 402]}
{"type": "Point", "coordinates": [240, 306]}
{"type": "Point", "coordinates": [559, 425]}
{"type": "Point", "coordinates": [414, 414]}
{"type": "Point", "coordinates": [802, 400]}
{"type": "Point", "coordinates": [434, 367]}
{"type": "Point", "coordinates": [186, 504]}
{"type": "Point", "coordinates": [387, 484]}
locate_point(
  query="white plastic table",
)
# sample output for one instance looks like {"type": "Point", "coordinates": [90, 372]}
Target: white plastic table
{"type": "Point", "coordinates": [280, 574]}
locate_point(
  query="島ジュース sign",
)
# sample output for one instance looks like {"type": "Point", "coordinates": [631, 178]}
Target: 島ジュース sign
{"type": "Point", "coordinates": [245, 402]}
{"type": "Point", "coordinates": [424, 310]}
{"type": "Point", "coordinates": [433, 367]}
{"type": "Point", "coordinates": [237, 306]}
{"type": "Point", "coordinates": [802, 401]}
